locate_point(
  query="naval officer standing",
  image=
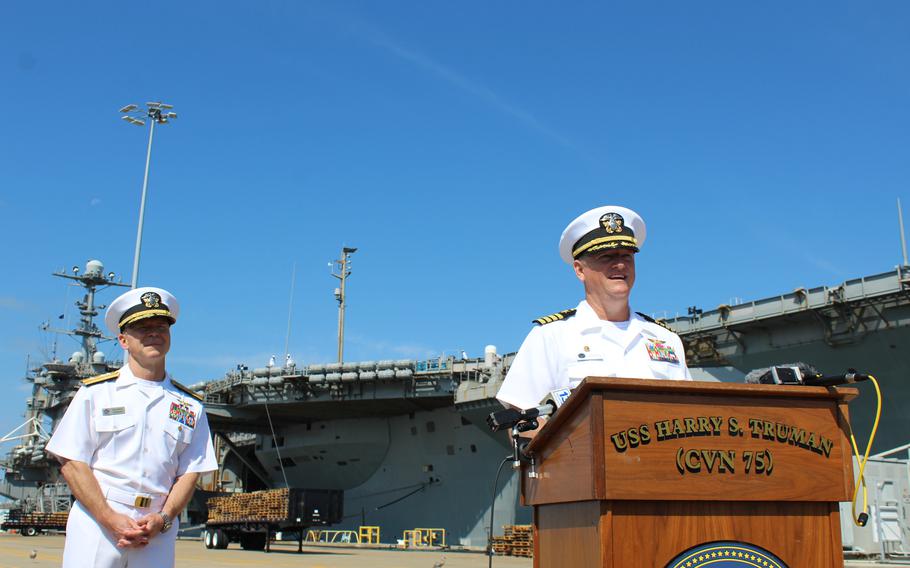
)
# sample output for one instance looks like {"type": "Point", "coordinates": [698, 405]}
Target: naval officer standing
{"type": "Point", "coordinates": [132, 444]}
{"type": "Point", "coordinates": [601, 337]}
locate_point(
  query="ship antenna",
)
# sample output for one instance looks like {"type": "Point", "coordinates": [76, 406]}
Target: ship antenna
{"type": "Point", "coordinates": [275, 438]}
{"type": "Point", "coordinates": [93, 280]}
{"type": "Point", "coordinates": [287, 337]}
{"type": "Point", "coordinates": [66, 301]}
{"type": "Point", "coordinates": [900, 220]}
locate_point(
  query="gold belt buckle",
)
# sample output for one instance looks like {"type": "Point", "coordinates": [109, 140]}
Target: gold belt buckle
{"type": "Point", "coordinates": [142, 502]}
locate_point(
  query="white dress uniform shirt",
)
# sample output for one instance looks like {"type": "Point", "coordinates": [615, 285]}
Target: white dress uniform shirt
{"type": "Point", "coordinates": [137, 436]}
{"type": "Point", "coordinates": [560, 354]}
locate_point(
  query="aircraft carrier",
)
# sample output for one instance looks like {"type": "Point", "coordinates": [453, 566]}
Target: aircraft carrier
{"type": "Point", "coordinates": [407, 439]}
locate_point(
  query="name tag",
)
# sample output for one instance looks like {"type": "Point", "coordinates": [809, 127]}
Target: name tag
{"type": "Point", "coordinates": [585, 354]}
{"type": "Point", "coordinates": [113, 411]}
{"type": "Point", "coordinates": [181, 413]}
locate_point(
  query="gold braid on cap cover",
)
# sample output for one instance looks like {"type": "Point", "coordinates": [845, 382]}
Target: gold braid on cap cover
{"type": "Point", "coordinates": [144, 314]}
{"type": "Point", "coordinates": [607, 242]}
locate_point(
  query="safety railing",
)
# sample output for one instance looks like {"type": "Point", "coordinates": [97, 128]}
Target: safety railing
{"type": "Point", "coordinates": [423, 538]}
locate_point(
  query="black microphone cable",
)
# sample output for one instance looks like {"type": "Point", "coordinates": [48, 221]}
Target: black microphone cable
{"type": "Point", "coordinates": [863, 518]}
{"type": "Point", "coordinates": [506, 460]}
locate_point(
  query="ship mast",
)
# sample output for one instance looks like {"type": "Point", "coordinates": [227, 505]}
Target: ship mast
{"type": "Point", "coordinates": [92, 279]}
{"type": "Point", "coordinates": [341, 269]}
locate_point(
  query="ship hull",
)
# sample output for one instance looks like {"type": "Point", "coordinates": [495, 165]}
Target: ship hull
{"type": "Point", "coordinates": [429, 469]}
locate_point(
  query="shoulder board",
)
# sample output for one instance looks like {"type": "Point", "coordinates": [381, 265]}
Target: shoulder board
{"type": "Point", "coordinates": [661, 323]}
{"type": "Point", "coordinates": [187, 390]}
{"type": "Point", "coordinates": [101, 378]}
{"type": "Point", "coordinates": [555, 317]}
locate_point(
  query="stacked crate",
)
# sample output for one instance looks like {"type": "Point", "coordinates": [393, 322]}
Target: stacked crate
{"type": "Point", "coordinates": [263, 506]}
{"type": "Point", "coordinates": [41, 519]}
{"type": "Point", "coordinates": [521, 539]}
{"type": "Point", "coordinates": [501, 546]}
{"type": "Point", "coordinates": [517, 540]}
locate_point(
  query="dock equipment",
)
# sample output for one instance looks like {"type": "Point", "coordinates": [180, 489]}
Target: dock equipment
{"type": "Point", "coordinates": [252, 518]}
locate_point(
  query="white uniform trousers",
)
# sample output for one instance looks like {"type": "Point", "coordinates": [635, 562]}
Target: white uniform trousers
{"type": "Point", "coordinates": [90, 545]}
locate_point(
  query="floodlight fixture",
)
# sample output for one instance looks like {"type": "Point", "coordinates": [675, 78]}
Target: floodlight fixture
{"type": "Point", "coordinates": [135, 115]}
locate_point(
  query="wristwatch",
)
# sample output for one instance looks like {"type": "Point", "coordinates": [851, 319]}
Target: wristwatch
{"type": "Point", "coordinates": [167, 521]}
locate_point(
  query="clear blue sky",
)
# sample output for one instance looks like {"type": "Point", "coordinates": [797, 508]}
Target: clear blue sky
{"type": "Point", "coordinates": [765, 145]}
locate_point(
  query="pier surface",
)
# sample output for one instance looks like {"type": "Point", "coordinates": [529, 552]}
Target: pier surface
{"type": "Point", "coordinates": [16, 551]}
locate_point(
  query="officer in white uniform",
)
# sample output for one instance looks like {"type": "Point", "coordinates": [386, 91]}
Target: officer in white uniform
{"type": "Point", "coordinates": [601, 337]}
{"type": "Point", "coordinates": [132, 444]}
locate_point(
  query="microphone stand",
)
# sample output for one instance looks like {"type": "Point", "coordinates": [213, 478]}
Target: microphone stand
{"type": "Point", "coordinates": [519, 443]}
{"type": "Point", "coordinates": [518, 446]}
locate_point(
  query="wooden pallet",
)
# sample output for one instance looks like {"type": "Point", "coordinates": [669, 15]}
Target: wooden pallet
{"type": "Point", "coordinates": [501, 546]}
{"type": "Point", "coordinates": [517, 540]}
{"type": "Point", "coordinates": [523, 552]}
{"type": "Point", "coordinates": [260, 506]}
{"type": "Point", "coordinates": [40, 519]}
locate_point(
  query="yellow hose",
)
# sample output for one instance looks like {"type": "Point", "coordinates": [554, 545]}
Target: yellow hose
{"type": "Point", "coordinates": [861, 519]}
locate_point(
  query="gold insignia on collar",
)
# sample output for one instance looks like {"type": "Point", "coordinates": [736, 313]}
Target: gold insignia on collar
{"type": "Point", "coordinates": [151, 300]}
{"type": "Point", "coordinates": [612, 222]}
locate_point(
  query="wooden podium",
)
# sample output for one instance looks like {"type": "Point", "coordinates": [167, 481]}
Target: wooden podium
{"type": "Point", "coordinates": [634, 473]}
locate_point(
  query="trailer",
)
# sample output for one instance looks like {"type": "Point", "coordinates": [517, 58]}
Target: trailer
{"type": "Point", "coordinates": [251, 519]}
{"type": "Point", "coordinates": [34, 523]}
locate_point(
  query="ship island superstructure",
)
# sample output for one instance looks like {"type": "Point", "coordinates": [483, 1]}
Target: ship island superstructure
{"type": "Point", "coordinates": [30, 477]}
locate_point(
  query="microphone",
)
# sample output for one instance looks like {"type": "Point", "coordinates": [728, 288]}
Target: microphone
{"type": "Point", "coordinates": [802, 374]}
{"type": "Point", "coordinates": [785, 374]}
{"type": "Point", "coordinates": [556, 398]}
{"type": "Point", "coordinates": [511, 416]}
{"type": "Point", "coordinates": [848, 378]}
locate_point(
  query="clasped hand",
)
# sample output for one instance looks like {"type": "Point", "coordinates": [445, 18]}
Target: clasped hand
{"type": "Point", "coordinates": [134, 534]}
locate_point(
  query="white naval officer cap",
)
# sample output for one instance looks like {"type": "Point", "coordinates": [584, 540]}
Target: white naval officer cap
{"type": "Point", "coordinates": [608, 227]}
{"type": "Point", "coordinates": [139, 304]}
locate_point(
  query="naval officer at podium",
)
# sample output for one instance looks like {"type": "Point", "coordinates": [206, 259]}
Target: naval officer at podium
{"type": "Point", "coordinates": [132, 444]}
{"type": "Point", "coordinates": [601, 337]}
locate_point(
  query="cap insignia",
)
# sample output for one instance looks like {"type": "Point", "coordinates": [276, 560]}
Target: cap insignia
{"type": "Point", "coordinates": [612, 223]}
{"type": "Point", "coordinates": [151, 300]}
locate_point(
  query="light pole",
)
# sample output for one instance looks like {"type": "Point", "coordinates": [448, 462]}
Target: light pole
{"type": "Point", "coordinates": [341, 269]}
{"type": "Point", "coordinates": [160, 113]}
